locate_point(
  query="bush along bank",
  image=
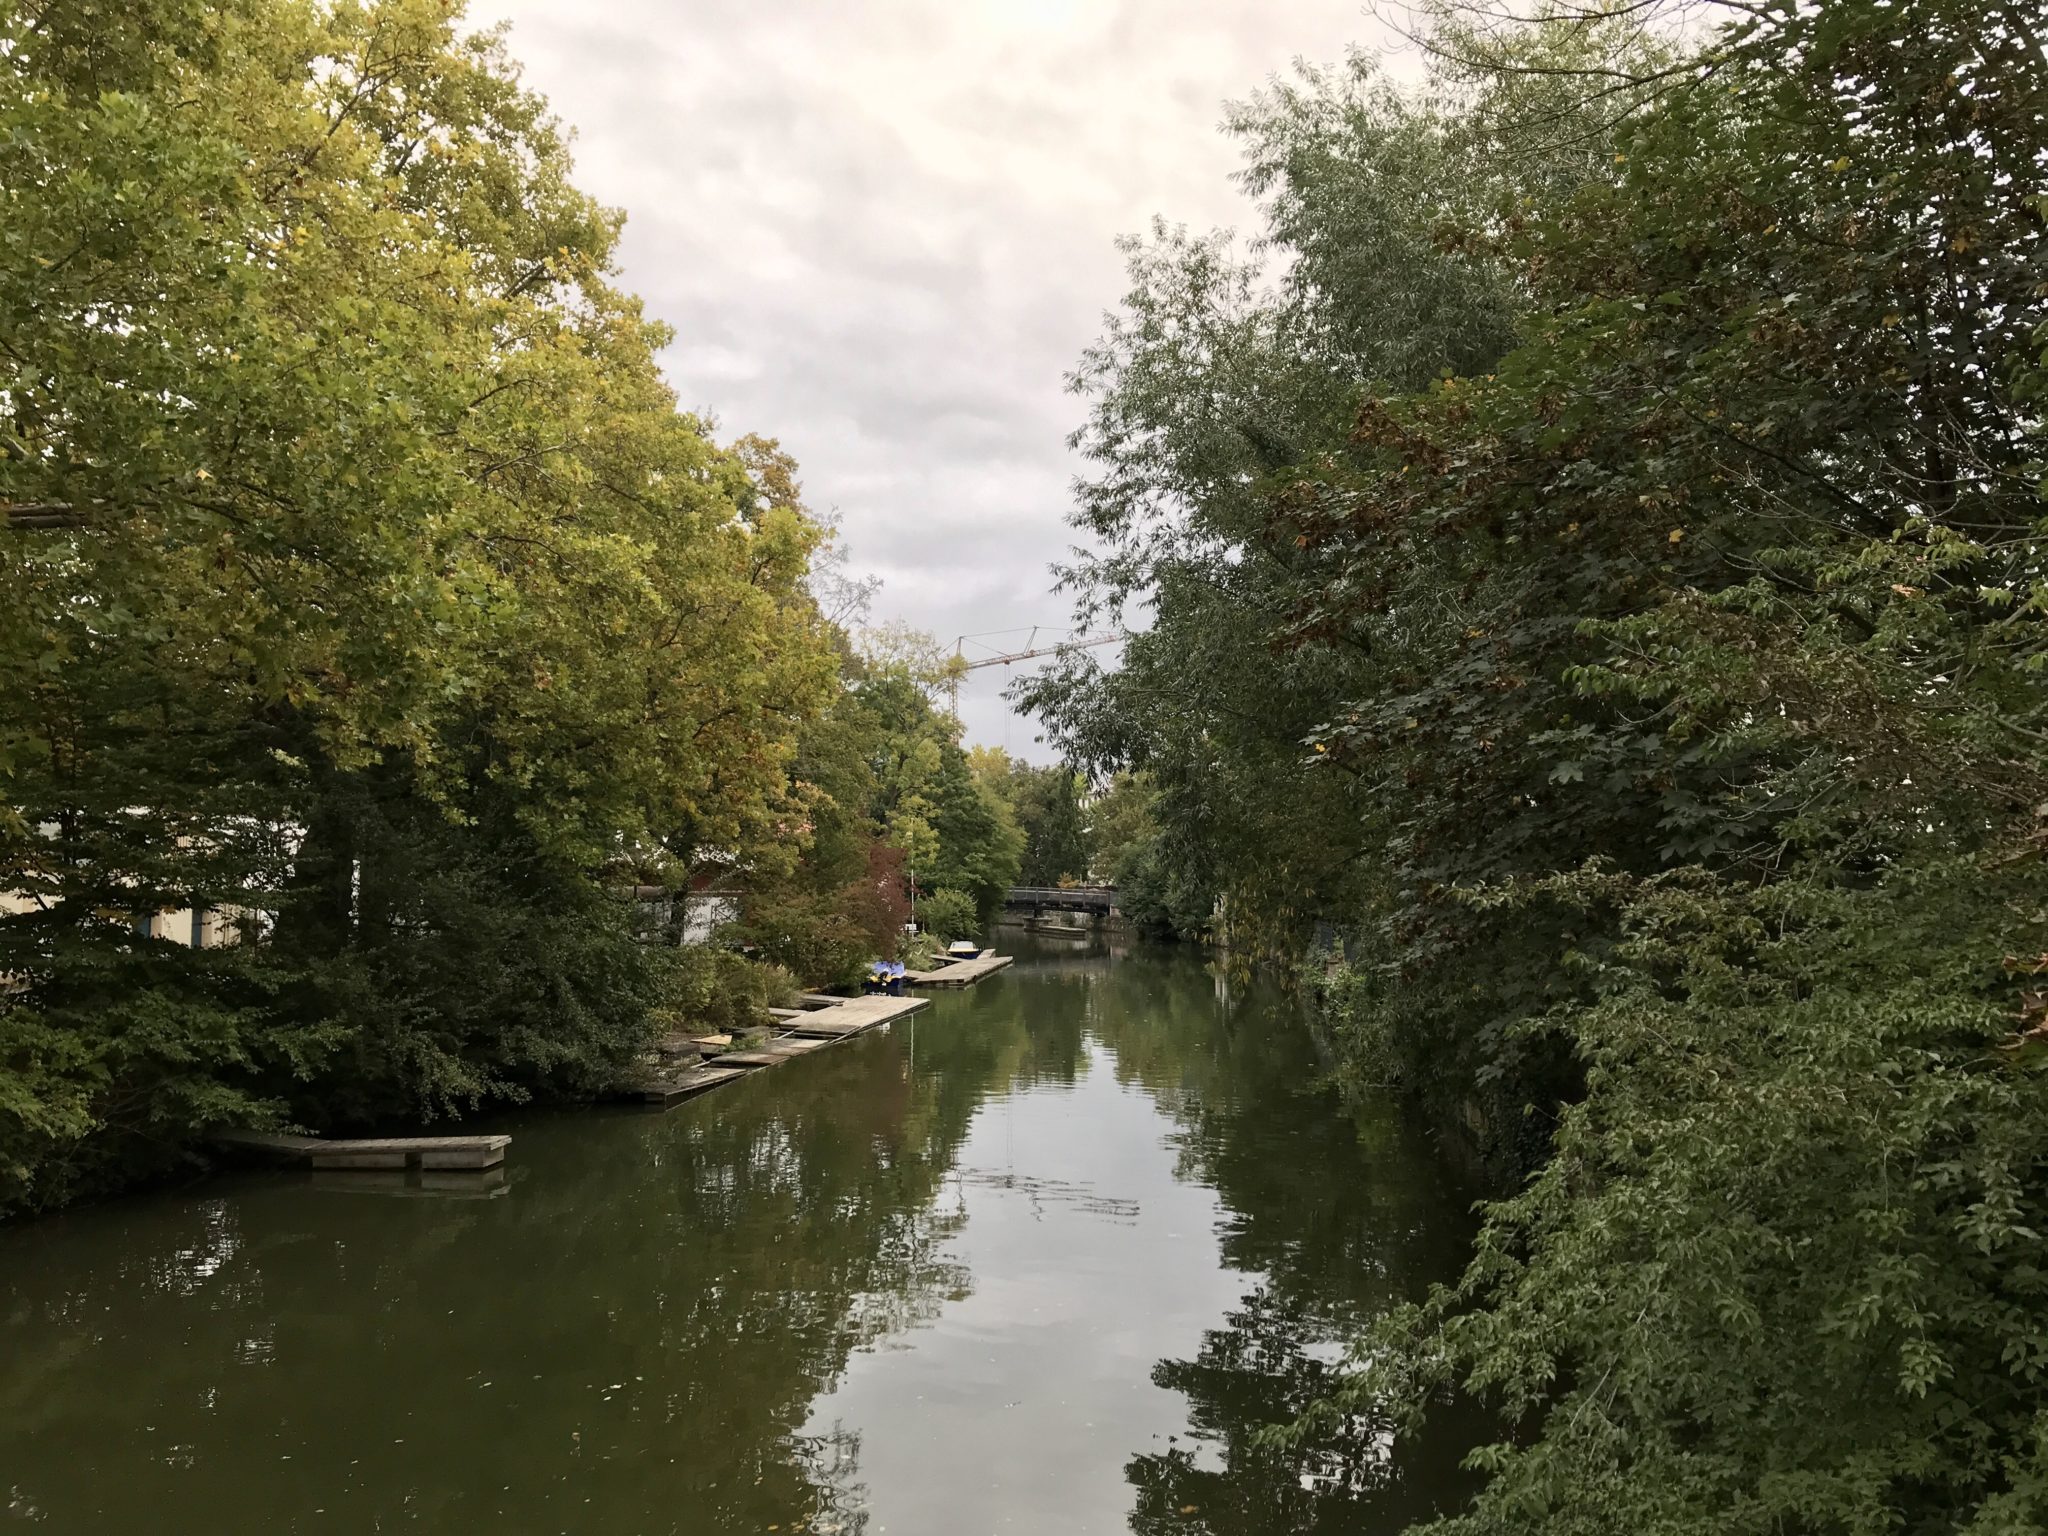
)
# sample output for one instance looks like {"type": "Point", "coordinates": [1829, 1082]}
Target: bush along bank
{"type": "Point", "coordinates": [1601, 575]}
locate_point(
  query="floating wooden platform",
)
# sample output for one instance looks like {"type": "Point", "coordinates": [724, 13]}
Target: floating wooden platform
{"type": "Point", "coordinates": [855, 1016]}
{"type": "Point", "coordinates": [750, 1059]}
{"type": "Point", "coordinates": [687, 1085]}
{"type": "Point", "coordinates": [961, 973]}
{"type": "Point", "coordinates": [771, 1054]}
{"type": "Point", "coordinates": [445, 1152]}
{"type": "Point", "coordinates": [867, 1012]}
{"type": "Point", "coordinates": [808, 1029]}
{"type": "Point", "coordinates": [826, 1029]}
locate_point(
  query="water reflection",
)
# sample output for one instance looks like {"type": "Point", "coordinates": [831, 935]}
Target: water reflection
{"type": "Point", "coordinates": [1047, 1258]}
{"type": "Point", "coordinates": [1330, 1218]}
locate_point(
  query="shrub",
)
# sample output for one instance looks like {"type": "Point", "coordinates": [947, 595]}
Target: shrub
{"type": "Point", "coordinates": [721, 992]}
{"type": "Point", "coordinates": [948, 915]}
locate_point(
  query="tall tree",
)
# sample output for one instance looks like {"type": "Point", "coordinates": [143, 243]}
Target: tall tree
{"type": "Point", "coordinates": [1211, 395]}
{"type": "Point", "coordinates": [1677, 673]}
{"type": "Point", "coordinates": [347, 518]}
{"type": "Point", "coordinates": [1046, 802]}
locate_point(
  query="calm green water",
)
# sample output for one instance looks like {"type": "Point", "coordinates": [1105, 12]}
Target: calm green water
{"type": "Point", "coordinates": [1043, 1259]}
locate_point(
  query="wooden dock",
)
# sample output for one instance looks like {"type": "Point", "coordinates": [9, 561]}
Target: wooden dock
{"type": "Point", "coordinates": [821, 1021]}
{"type": "Point", "coordinates": [443, 1152]}
{"type": "Point", "coordinates": [866, 1012]}
{"type": "Point", "coordinates": [685, 1085]}
{"type": "Point", "coordinates": [961, 973]}
{"type": "Point", "coordinates": [827, 1029]}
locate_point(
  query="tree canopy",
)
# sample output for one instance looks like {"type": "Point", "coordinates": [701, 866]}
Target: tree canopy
{"type": "Point", "coordinates": [1602, 577]}
{"type": "Point", "coordinates": [364, 591]}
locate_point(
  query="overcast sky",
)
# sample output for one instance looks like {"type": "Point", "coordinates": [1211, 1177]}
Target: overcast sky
{"type": "Point", "coordinates": [882, 232]}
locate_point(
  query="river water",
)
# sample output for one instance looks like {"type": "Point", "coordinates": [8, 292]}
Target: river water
{"type": "Point", "coordinates": [1045, 1258]}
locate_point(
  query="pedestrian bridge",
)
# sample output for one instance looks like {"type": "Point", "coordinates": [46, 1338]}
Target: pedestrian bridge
{"type": "Point", "coordinates": [1056, 898]}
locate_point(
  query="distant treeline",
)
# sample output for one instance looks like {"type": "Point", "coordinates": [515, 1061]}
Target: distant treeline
{"type": "Point", "coordinates": [1593, 540]}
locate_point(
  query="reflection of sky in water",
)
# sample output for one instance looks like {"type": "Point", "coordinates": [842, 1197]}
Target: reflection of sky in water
{"type": "Point", "coordinates": [188, 1269]}
{"type": "Point", "coordinates": [1042, 1259]}
{"type": "Point", "coordinates": [1018, 1407]}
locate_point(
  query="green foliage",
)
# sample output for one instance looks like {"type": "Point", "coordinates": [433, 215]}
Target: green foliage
{"type": "Point", "coordinates": [354, 584]}
{"type": "Point", "coordinates": [1803, 1162]}
{"type": "Point", "coordinates": [884, 795]}
{"type": "Point", "coordinates": [836, 897]}
{"type": "Point", "coordinates": [953, 826]}
{"type": "Point", "coordinates": [1657, 700]}
{"type": "Point", "coordinates": [1350, 1002]}
{"type": "Point", "coordinates": [718, 991]}
{"type": "Point", "coordinates": [478, 967]}
{"type": "Point", "coordinates": [1131, 850]}
{"type": "Point", "coordinates": [1208, 392]}
{"type": "Point", "coordinates": [921, 951]}
{"type": "Point", "coordinates": [1046, 805]}
{"type": "Point", "coordinates": [948, 915]}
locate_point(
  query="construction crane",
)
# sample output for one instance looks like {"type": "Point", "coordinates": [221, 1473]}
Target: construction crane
{"type": "Point", "coordinates": [1031, 650]}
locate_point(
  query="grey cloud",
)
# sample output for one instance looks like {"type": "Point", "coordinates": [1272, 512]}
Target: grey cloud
{"type": "Point", "coordinates": [883, 233]}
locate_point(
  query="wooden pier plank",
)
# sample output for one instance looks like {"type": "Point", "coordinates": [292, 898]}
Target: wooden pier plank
{"type": "Point", "coordinates": [686, 1086]}
{"type": "Point", "coordinates": [806, 1030]}
{"type": "Point", "coordinates": [828, 1030]}
{"type": "Point", "coordinates": [961, 973]}
{"type": "Point", "coordinates": [444, 1152]}
{"type": "Point", "coordinates": [751, 1059]}
{"type": "Point", "coordinates": [869, 1011]}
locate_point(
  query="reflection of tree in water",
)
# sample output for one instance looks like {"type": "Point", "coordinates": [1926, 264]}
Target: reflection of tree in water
{"type": "Point", "coordinates": [1265, 1367]}
{"type": "Point", "coordinates": [630, 1340]}
{"type": "Point", "coordinates": [831, 1464]}
{"type": "Point", "coordinates": [921, 1281]}
{"type": "Point", "coordinates": [1338, 1214]}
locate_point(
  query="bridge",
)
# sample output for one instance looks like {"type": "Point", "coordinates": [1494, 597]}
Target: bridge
{"type": "Point", "coordinates": [1055, 898]}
